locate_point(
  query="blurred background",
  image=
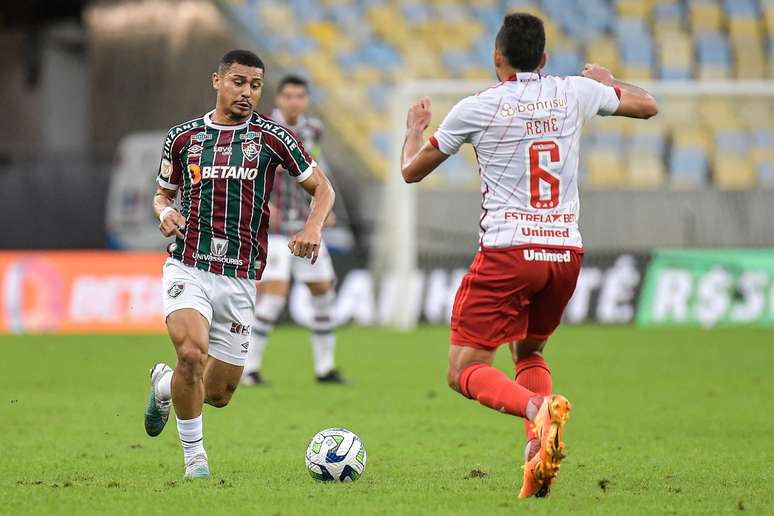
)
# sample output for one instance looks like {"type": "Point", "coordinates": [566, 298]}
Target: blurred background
{"type": "Point", "coordinates": [677, 212]}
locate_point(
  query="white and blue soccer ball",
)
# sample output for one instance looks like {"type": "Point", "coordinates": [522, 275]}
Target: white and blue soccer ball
{"type": "Point", "coordinates": [335, 455]}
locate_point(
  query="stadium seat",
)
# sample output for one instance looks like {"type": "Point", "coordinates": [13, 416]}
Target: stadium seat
{"type": "Point", "coordinates": [688, 167]}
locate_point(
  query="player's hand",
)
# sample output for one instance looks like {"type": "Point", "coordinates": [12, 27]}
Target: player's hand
{"type": "Point", "coordinates": [172, 224]}
{"type": "Point", "coordinates": [598, 73]}
{"type": "Point", "coordinates": [419, 115]}
{"type": "Point", "coordinates": [306, 244]}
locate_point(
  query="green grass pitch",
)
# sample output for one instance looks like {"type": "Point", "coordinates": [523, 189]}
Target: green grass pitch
{"type": "Point", "coordinates": [664, 421]}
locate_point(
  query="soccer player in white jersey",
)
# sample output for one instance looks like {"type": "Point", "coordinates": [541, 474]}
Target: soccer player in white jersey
{"type": "Point", "coordinates": [526, 133]}
{"type": "Point", "coordinates": [290, 207]}
{"type": "Point", "coordinates": [222, 165]}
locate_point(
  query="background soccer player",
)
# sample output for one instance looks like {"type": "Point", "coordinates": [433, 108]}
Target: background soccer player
{"type": "Point", "coordinates": [290, 209]}
{"type": "Point", "coordinates": [526, 133]}
{"type": "Point", "coordinates": [223, 166]}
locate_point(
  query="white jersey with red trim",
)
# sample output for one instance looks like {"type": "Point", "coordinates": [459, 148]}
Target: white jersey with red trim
{"type": "Point", "coordinates": [526, 133]}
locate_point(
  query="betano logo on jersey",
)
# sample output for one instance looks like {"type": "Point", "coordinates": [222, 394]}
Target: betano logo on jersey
{"type": "Point", "coordinates": [198, 173]}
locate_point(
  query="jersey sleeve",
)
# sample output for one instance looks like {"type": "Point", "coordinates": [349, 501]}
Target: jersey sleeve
{"type": "Point", "coordinates": [595, 98]}
{"type": "Point", "coordinates": [170, 173]}
{"type": "Point", "coordinates": [457, 128]}
{"type": "Point", "coordinates": [293, 157]}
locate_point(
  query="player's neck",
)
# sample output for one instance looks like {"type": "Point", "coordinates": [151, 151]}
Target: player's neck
{"type": "Point", "coordinates": [226, 118]}
{"type": "Point", "coordinates": [290, 120]}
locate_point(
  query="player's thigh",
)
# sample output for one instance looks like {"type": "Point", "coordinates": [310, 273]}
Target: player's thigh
{"type": "Point", "coordinates": [319, 272]}
{"type": "Point", "coordinates": [188, 326]}
{"type": "Point", "coordinates": [187, 306]}
{"type": "Point", "coordinates": [492, 302]}
{"type": "Point", "coordinates": [547, 306]}
{"type": "Point", "coordinates": [273, 288]}
{"type": "Point", "coordinates": [318, 288]}
{"type": "Point", "coordinates": [233, 312]}
{"type": "Point", "coordinates": [278, 260]}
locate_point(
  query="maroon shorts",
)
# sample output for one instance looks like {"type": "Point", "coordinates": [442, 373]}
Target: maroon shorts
{"type": "Point", "coordinates": [513, 293]}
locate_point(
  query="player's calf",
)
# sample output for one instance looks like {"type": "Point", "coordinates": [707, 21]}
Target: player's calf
{"type": "Point", "coordinates": [220, 396]}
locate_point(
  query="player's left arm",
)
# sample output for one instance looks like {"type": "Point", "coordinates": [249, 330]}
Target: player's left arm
{"type": "Point", "coordinates": [634, 102]}
{"type": "Point", "coordinates": [418, 158]}
{"type": "Point", "coordinates": [306, 243]}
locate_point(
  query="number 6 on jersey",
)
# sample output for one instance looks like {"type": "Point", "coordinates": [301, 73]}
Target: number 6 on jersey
{"type": "Point", "coordinates": [538, 197]}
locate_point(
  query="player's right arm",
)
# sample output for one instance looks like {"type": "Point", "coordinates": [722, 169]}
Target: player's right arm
{"type": "Point", "coordinates": [634, 102]}
{"type": "Point", "coordinates": [169, 178]}
{"type": "Point", "coordinates": [172, 221]}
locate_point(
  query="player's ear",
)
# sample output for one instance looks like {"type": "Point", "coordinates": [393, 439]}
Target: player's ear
{"type": "Point", "coordinates": [543, 61]}
{"type": "Point", "coordinates": [215, 80]}
{"type": "Point", "coordinates": [498, 58]}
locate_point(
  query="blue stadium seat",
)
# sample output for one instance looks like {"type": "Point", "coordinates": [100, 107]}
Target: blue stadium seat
{"type": "Point", "coordinates": [742, 8]}
{"type": "Point", "coordinates": [456, 61]}
{"type": "Point", "coordinates": [688, 166]}
{"type": "Point", "coordinates": [733, 141]}
{"type": "Point", "coordinates": [712, 49]}
{"type": "Point", "coordinates": [564, 61]}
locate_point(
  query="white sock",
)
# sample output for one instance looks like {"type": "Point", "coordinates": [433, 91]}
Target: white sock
{"type": "Point", "coordinates": [191, 436]}
{"type": "Point", "coordinates": [267, 311]}
{"type": "Point", "coordinates": [323, 338]}
{"type": "Point", "coordinates": [164, 387]}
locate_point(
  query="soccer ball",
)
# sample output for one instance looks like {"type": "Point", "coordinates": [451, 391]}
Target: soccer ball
{"type": "Point", "coordinates": [335, 455]}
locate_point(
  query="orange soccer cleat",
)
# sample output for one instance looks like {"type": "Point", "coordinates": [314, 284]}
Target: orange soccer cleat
{"type": "Point", "coordinates": [541, 470]}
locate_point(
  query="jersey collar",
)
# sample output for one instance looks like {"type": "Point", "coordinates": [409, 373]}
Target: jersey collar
{"type": "Point", "coordinates": [223, 127]}
{"type": "Point", "coordinates": [524, 77]}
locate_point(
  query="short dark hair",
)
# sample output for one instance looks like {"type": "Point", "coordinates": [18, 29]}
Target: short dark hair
{"type": "Point", "coordinates": [243, 57]}
{"type": "Point", "coordinates": [294, 80]}
{"type": "Point", "coordinates": [522, 40]}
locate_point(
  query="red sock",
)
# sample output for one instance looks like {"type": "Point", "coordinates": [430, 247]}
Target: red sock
{"type": "Point", "coordinates": [493, 388]}
{"type": "Point", "coordinates": [532, 372]}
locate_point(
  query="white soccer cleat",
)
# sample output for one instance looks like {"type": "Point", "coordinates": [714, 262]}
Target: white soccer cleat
{"type": "Point", "coordinates": [157, 411]}
{"type": "Point", "coordinates": [197, 467]}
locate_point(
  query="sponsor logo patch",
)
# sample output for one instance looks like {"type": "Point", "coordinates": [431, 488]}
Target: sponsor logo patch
{"type": "Point", "coordinates": [166, 169]}
{"type": "Point", "coordinates": [175, 289]}
{"type": "Point", "coordinates": [539, 255]}
{"type": "Point", "coordinates": [195, 149]}
{"type": "Point", "coordinates": [202, 137]}
{"type": "Point", "coordinates": [223, 149]}
{"type": "Point", "coordinates": [218, 247]}
{"type": "Point", "coordinates": [195, 172]}
{"type": "Point", "coordinates": [240, 329]}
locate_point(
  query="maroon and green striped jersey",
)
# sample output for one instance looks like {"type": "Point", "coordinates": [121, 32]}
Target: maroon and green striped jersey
{"type": "Point", "coordinates": [225, 175]}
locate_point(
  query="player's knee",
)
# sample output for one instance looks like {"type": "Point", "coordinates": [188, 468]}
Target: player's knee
{"type": "Point", "coordinates": [191, 359]}
{"type": "Point", "coordinates": [526, 347]}
{"type": "Point", "coordinates": [453, 379]}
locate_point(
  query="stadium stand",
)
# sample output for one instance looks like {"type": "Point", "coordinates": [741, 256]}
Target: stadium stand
{"type": "Point", "coordinates": [354, 50]}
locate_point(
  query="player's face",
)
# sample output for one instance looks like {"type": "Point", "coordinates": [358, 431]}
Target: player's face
{"type": "Point", "coordinates": [293, 101]}
{"type": "Point", "coordinates": [239, 90]}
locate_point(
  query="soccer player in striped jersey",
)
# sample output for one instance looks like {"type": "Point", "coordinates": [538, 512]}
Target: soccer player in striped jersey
{"type": "Point", "coordinates": [290, 209]}
{"type": "Point", "coordinates": [222, 167]}
{"type": "Point", "coordinates": [526, 134]}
